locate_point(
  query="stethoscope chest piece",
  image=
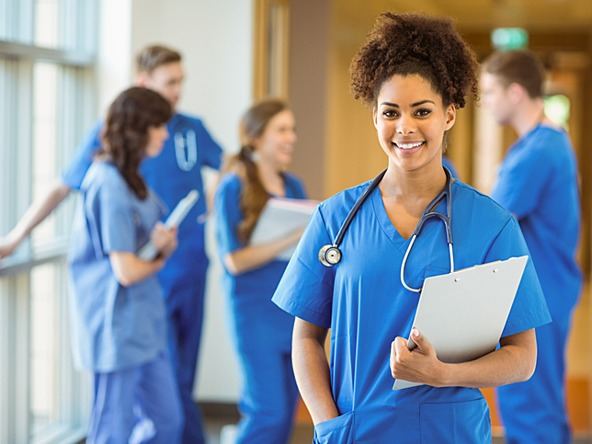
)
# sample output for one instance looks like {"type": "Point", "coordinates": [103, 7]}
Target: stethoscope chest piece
{"type": "Point", "coordinates": [329, 255]}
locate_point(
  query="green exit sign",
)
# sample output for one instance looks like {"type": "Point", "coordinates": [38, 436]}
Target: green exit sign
{"type": "Point", "coordinates": [509, 38]}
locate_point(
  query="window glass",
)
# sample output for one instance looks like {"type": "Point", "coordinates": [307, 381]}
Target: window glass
{"type": "Point", "coordinates": [557, 108]}
{"type": "Point", "coordinates": [46, 91]}
{"type": "Point", "coordinates": [4, 18]}
{"type": "Point", "coordinates": [44, 154]}
{"type": "Point", "coordinates": [44, 357]}
{"type": "Point", "coordinates": [46, 23]}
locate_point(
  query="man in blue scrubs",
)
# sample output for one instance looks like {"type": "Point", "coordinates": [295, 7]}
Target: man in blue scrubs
{"type": "Point", "coordinates": [538, 183]}
{"type": "Point", "coordinates": [172, 174]}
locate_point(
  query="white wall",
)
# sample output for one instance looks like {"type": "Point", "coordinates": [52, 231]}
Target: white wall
{"type": "Point", "coordinates": [215, 38]}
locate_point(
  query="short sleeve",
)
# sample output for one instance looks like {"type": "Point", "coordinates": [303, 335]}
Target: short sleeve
{"type": "Point", "coordinates": [227, 214]}
{"type": "Point", "coordinates": [74, 173]}
{"type": "Point", "coordinates": [213, 151]}
{"type": "Point", "coordinates": [295, 187]}
{"type": "Point", "coordinates": [521, 181]}
{"type": "Point", "coordinates": [111, 219]}
{"type": "Point", "coordinates": [306, 287]}
{"type": "Point", "coordinates": [529, 309]}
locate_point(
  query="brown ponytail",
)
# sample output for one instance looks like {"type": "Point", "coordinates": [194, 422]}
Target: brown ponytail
{"type": "Point", "coordinates": [254, 196]}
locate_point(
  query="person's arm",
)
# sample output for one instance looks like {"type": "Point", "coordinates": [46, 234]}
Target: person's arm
{"type": "Point", "coordinates": [129, 269]}
{"type": "Point", "coordinates": [35, 214]}
{"type": "Point", "coordinates": [514, 361]}
{"type": "Point", "coordinates": [210, 192]}
{"type": "Point", "coordinates": [253, 256]}
{"type": "Point", "coordinates": [311, 370]}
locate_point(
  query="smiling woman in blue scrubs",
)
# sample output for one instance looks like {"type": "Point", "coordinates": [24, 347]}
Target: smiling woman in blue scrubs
{"type": "Point", "coordinates": [261, 331]}
{"type": "Point", "coordinates": [414, 72]}
{"type": "Point", "coordinates": [118, 309]}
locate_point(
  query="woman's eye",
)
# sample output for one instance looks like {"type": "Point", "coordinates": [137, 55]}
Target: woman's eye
{"type": "Point", "coordinates": [424, 112]}
{"type": "Point", "coordinates": [389, 113]}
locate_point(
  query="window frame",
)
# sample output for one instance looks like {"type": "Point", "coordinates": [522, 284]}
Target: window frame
{"type": "Point", "coordinates": [75, 56]}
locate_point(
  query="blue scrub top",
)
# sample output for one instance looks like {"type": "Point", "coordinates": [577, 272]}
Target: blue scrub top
{"type": "Point", "coordinates": [172, 174]}
{"type": "Point", "coordinates": [251, 292]}
{"type": "Point", "coordinates": [448, 164]}
{"type": "Point", "coordinates": [116, 327]}
{"type": "Point", "coordinates": [538, 183]}
{"type": "Point", "coordinates": [363, 302]}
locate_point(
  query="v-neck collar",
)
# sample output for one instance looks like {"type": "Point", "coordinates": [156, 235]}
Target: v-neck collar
{"type": "Point", "coordinates": [387, 226]}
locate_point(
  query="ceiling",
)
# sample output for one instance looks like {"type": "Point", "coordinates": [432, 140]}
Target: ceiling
{"type": "Point", "coordinates": [555, 15]}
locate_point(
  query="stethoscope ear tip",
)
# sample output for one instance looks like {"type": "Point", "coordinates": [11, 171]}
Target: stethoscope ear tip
{"type": "Point", "coordinates": [329, 255]}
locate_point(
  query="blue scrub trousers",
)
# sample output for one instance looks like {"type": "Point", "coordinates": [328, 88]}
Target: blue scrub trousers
{"type": "Point", "coordinates": [185, 310]}
{"type": "Point", "coordinates": [534, 411]}
{"type": "Point", "coordinates": [136, 405]}
{"type": "Point", "coordinates": [269, 396]}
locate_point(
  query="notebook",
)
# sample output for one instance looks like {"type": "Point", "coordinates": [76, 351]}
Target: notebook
{"type": "Point", "coordinates": [464, 313]}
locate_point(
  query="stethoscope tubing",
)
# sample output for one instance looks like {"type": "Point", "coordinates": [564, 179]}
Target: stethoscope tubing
{"type": "Point", "coordinates": [331, 255]}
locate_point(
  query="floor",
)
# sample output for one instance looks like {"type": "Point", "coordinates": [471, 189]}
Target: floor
{"type": "Point", "coordinates": [220, 432]}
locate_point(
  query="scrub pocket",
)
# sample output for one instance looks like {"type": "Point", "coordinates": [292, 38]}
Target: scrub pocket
{"type": "Point", "coordinates": [335, 431]}
{"type": "Point", "coordinates": [457, 422]}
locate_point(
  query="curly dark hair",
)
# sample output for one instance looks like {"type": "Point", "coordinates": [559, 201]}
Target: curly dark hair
{"type": "Point", "coordinates": [125, 135]}
{"type": "Point", "coordinates": [407, 44]}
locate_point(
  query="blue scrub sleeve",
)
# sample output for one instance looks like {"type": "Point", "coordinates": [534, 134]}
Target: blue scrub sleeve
{"type": "Point", "coordinates": [306, 288]}
{"type": "Point", "coordinates": [529, 309]}
{"type": "Point", "coordinates": [111, 219]}
{"type": "Point", "coordinates": [299, 190]}
{"type": "Point", "coordinates": [448, 164]}
{"type": "Point", "coordinates": [213, 152]}
{"type": "Point", "coordinates": [521, 181]}
{"type": "Point", "coordinates": [227, 214]}
{"type": "Point", "coordinates": [74, 173]}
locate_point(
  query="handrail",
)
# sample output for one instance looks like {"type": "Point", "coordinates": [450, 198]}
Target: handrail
{"type": "Point", "coordinates": [22, 263]}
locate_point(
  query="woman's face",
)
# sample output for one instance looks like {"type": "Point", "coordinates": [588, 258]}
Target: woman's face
{"type": "Point", "coordinates": [410, 120]}
{"type": "Point", "coordinates": [276, 145]}
{"type": "Point", "coordinates": [156, 137]}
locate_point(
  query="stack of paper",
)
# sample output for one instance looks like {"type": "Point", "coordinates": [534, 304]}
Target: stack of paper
{"type": "Point", "coordinates": [280, 217]}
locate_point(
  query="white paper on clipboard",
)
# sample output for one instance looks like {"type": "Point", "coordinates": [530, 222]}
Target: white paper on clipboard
{"type": "Point", "coordinates": [463, 313]}
{"type": "Point", "coordinates": [279, 217]}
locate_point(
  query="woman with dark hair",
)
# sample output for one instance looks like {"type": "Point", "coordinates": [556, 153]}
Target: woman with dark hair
{"type": "Point", "coordinates": [118, 307]}
{"type": "Point", "coordinates": [261, 331]}
{"type": "Point", "coordinates": [414, 72]}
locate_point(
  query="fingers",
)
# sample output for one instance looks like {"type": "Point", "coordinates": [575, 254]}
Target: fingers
{"type": "Point", "coordinates": [417, 338]}
{"type": "Point", "coordinates": [398, 353]}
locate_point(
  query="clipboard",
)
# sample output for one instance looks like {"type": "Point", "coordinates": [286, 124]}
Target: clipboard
{"type": "Point", "coordinates": [464, 313]}
{"type": "Point", "coordinates": [148, 252]}
{"type": "Point", "coordinates": [280, 216]}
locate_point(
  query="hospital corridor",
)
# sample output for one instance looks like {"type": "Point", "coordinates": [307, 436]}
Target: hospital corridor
{"type": "Point", "coordinates": [112, 112]}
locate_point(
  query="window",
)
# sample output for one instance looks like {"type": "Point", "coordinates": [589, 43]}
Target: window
{"type": "Point", "coordinates": [46, 64]}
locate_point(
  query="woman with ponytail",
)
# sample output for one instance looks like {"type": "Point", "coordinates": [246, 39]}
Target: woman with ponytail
{"type": "Point", "coordinates": [261, 331]}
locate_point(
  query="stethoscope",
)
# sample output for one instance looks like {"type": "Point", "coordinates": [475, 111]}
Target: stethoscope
{"type": "Point", "coordinates": [331, 255]}
{"type": "Point", "coordinates": [185, 149]}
